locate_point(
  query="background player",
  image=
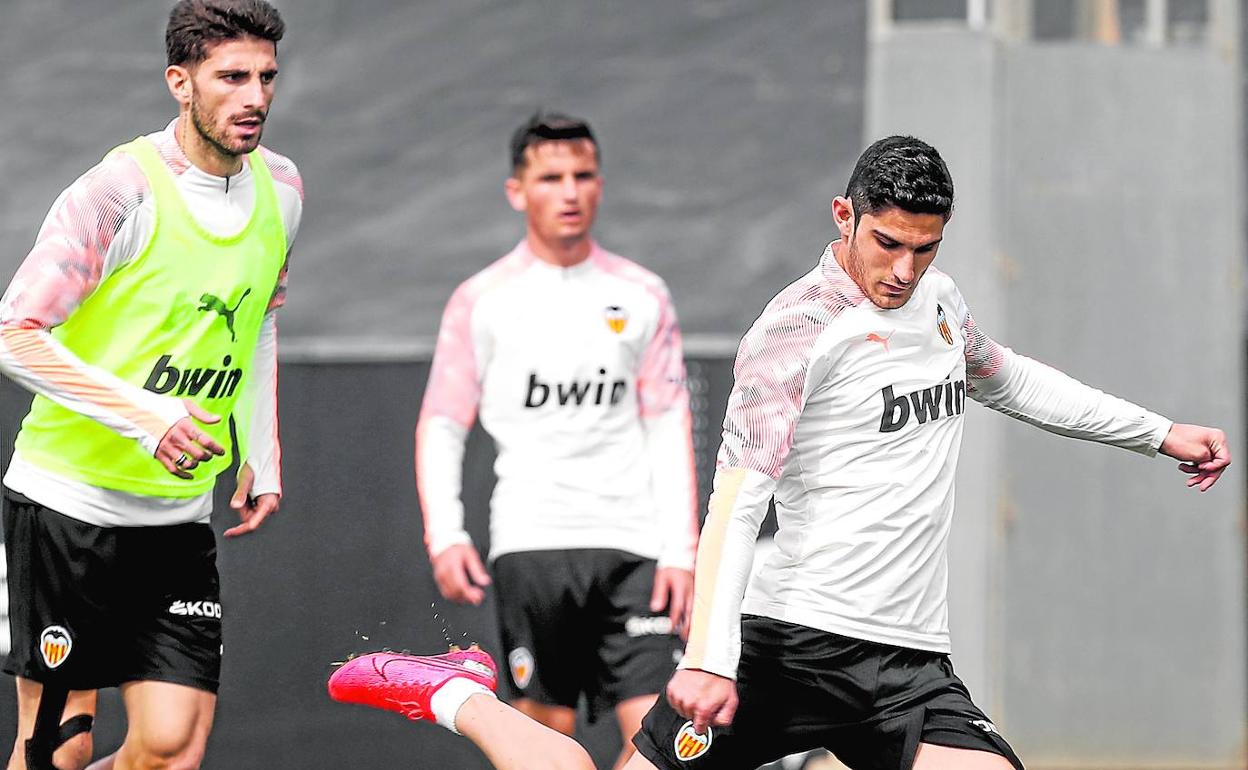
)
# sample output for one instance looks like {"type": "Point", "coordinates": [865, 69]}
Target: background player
{"type": "Point", "coordinates": [142, 319]}
{"type": "Point", "coordinates": [573, 357]}
{"type": "Point", "coordinates": [847, 408]}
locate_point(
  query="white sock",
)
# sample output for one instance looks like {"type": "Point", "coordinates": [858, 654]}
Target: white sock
{"type": "Point", "coordinates": [447, 701]}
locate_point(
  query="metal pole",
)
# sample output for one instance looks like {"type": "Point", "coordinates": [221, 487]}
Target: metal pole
{"type": "Point", "coordinates": [1155, 22]}
{"type": "Point", "coordinates": [977, 14]}
{"type": "Point", "coordinates": [879, 18]}
{"type": "Point", "coordinates": [1012, 19]}
{"type": "Point", "coordinates": [1223, 30]}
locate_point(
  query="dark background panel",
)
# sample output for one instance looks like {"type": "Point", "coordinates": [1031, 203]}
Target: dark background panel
{"type": "Point", "coordinates": [341, 569]}
{"type": "Point", "coordinates": [726, 127]}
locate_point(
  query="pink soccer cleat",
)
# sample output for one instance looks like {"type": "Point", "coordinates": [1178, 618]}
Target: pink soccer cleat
{"type": "Point", "coordinates": [405, 683]}
{"type": "Point", "coordinates": [474, 658]}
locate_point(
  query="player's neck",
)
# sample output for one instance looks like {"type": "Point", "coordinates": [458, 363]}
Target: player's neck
{"type": "Point", "coordinates": [201, 153]}
{"type": "Point", "coordinates": [560, 253]}
{"type": "Point", "coordinates": [838, 253]}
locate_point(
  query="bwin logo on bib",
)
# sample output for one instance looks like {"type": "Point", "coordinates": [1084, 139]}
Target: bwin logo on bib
{"type": "Point", "coordinates": [691, 744]}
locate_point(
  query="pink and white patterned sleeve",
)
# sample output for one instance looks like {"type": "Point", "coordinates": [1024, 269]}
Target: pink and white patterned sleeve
{"type": "Point", "coordinates": [446, 414]}
{"type": "Point", "coordinates": [74, 249]}
{"type": "Point", "coordinates": [663, 398]}
{"type": "Point", "coordinates": [772, 370]}
{"type": "Point", "coordinates": [1036, 393]}
{"type": "Point", "coordinates": [766, 400]}
{"type": "Point", "coordinates": [264, 447]}
{"type": "Point", "coordinates": [768, 392]}
{"type": "Point", "coordinates": [285, 173]}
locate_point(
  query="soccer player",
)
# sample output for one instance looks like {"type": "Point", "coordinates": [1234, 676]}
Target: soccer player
{"type": "Point", "coordinates": [572, 356]}
{"type": "Point", "coordinates": [143, 321]}
{"type": "Point", "coordinates": [847, 409]}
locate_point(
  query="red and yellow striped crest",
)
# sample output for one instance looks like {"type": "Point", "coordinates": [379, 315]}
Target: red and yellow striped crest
{"type": "Point", "coordinates": [690, 744]}
{"type": "Point", "coordinates": [55, 645]}
{"type": "Point", "coordinates": [943, 326]}
{"type": "Point", "coordinates": [617, 318]}
{"type": "Point", "coordinates": [522, 665]}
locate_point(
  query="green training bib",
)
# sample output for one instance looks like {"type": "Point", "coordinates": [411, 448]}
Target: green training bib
{"type": "Point", "coordinates": [180, 319]}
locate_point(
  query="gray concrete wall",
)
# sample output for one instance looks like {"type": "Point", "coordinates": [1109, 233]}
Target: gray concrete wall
{"type": "Point", "coordinates": [1097, 229]}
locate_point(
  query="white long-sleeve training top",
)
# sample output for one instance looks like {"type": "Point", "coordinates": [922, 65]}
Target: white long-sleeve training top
{"type": "Point", "coordinates": [851, 416]}
{"type": "Point", "coordinates": [577, 374]}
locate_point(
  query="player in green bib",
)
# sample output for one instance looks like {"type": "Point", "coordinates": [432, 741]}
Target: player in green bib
{"type": "Point", "coordinates": [143, 321]}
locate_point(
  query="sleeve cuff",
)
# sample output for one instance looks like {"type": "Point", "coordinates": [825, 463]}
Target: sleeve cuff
{"type": "Point", "coordinates": [1159, 435]}
{"type": "Point", "coordinates": [169, 410]}
{"type": "Point", "coordinates": [676, 561]}
{"type": "Point", "coordinates": [440, 542]}
{"type": "Point", "coordinates": [719, 668]}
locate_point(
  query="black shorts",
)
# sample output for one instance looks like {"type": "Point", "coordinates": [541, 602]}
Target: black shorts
{"type": "Point", "coordinates": [869, 704]}
{"type": "Point", "coordinates": [93, 607]}
{"type": "Point", "coordinates": [579, 622]}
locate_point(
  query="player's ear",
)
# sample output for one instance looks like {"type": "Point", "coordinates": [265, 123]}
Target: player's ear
{"type": "Point", "coordinates": [178, 78]}
{"type": "Point", "coordinates": [843, 215]}
{"type": "Point", "coordinates": [515, 193]}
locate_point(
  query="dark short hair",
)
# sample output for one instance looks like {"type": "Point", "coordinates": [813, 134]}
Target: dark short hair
{"type": "Point", "coordinates": [901, 172]}
{"type": "Point", "coordinates": [547, 127]}
{"type": "Point", "coordinates": [197, 25]}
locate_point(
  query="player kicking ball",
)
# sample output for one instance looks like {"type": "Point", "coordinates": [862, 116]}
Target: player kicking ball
{"type": "Point", "coordinates": [456, 690]}
{"type": "Point", "coordinates": [847, 409]}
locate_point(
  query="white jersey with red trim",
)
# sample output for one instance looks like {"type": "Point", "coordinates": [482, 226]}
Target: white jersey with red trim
{"type": "Point", "coordinates": [98, 224]}
{"type": "Point", "coordinates": [851, 416]}
{"type": "Point", "coordinates": [577, 373]}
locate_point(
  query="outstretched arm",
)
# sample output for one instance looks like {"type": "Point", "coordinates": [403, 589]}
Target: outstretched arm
{"type": "Point", "coordinates": [1035, 393]}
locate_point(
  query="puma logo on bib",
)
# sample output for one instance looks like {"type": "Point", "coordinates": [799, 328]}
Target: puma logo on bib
{"type": "Point", "coordinates": [214, 303]}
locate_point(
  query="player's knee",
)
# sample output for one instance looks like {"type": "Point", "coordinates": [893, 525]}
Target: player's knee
{"type": "Point", "coordinates": [169, 752]}
{"type": "Point", "coordinates": [152, 761]}
{"type": "Point", "coordinates": [74, 754]}
{"type": "Point", "coordinates": [563, 754]}
{"type": "Point", "coordinates": [51, 752]}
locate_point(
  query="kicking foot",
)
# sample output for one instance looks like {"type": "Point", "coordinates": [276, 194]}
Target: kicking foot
{"type": "Point", "coordinates": [407, 684]}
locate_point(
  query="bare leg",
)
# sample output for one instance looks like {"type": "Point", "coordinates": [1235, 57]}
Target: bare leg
{"type": "Point", "coordinates": [638, 762]}
{"type": "Point", "coordinates": [76, 752]}
{"type": "Point", "coordinates": [933, 757]}
{"type": "Point", "coordinates": [168, 727]}
{"type": "Point", "coordinates": [513, 741]}
{"type": "Point", "coordinates": [559, 718]}
{"type": "Point", "coordinates": [629, 714]}
{"type": "Point", "coordinates": [447, 690]}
